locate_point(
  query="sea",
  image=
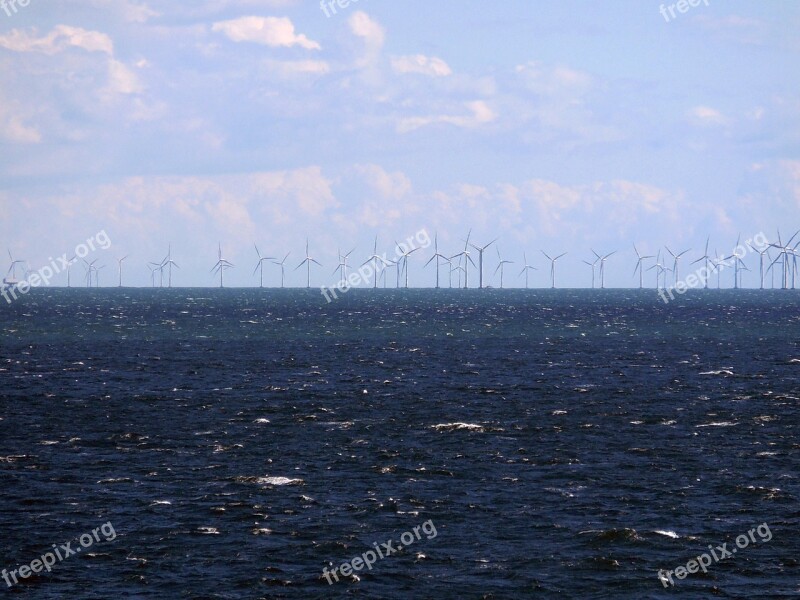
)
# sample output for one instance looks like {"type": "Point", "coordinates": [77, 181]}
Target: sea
{"type": "Point", "coordinates": [505, 443]}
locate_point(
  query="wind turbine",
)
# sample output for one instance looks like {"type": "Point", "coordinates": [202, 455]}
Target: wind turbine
{"type": "Point", "coordinates": [480, 260]}
{"type": "Point", "coordinates": [526, 269]}
{"type": "Point", "coordinates": [396, 265]}
{"type": "Point", "coordinates": [718, 261]}
{"type": "Point", "coordinates": [677, 258]}
{"type": "Point", "coordinates": [282, 265]}
{"type": "Point", "coordinates": [592, 265]}
{"type": "Point", "coordinates": [659, 271]}
{"type": "Point", "coordinates": [260, 265]}
{"type": "Point", "coordinates": [307, 261]}
{"type": "Point", "coordinates": [403, 257]}
{"type": "Point", "coordinates": [119, 264]}
{"type": "Point", "coordinates": [640, 266]}
{"type": "Point", "coordinates": [460, 269]}
{"type": "Point", "coordinates": [168, 262]}
{"type": "Point", "coordinates": [12, 271]}
{"type": "Point", "coordinates": [467, 258]}
{"type": "Point", "coordinates": [783, 258]}
{"type": "Point", "coordinates": [90, 268]}
{"type": "Point", "coordinates": [793, 251]}
{"type": "Point", "coordinates": [761, 262]}
{"type": "Point", "coordinates": [603, 260]}
{"type": "Point", "coordinates": [376, 260]}
{"type": "Point", "coordinates": [436, 256]}
{"type": "Point", "coordinates": [69, 268]}
{"type": "Point", "coordinates": [343, 266]}
{"type": "Point", "coordinates": [97, 275]}
{"type": "Point", "coordinates": [553, 268]}
{"type": "Point", "coordinates": [221, 265]}
{"type": "Point", "coordinates": [706, 258]}
{"type": "Point", "coordinates": [736, 262]}
{"type": "Point", "coordinates": [159, 266]}
{"type": "Point", "coordinates": [153, 270]}
{"type": "Point", "coordinates": [500, 266]}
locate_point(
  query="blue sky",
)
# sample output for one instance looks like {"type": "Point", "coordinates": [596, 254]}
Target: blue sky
{"type": "Point", "coordinates": [561, 126]}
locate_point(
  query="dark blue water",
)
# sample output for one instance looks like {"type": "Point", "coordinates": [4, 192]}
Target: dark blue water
{"type": "Point", "coordinates": [564, 444]}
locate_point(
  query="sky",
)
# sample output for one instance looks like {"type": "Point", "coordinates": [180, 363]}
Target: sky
{"type": "Point", "coordinates": [558, 126]}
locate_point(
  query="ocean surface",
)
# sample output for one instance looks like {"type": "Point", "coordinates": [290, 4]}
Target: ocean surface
{"type": "Point", "coordinates": [561, 444]}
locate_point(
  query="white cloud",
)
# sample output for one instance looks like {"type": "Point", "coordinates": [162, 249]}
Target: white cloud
{"type": "Point", "coordinates": [705, 115]}
{"type": "Point", "coordinates": [288, 68]}
{"type": "Point", "coordinates": [364, 27]}
{"type": "Point", "coordinates": [58, 40]}
{"type": "Point", "coordinates": [419, 63]}
{"type": "Point", "coordinates": [481, 115]}
{"type": "Point", "coordinates": [557, 81]}
{"type": "Point", "coordinates": [269, 31]}
{"type": "Point", "coordinates": [121, 80]}
{"type": "Point", "coordinates": [14, 130]}
{"type": "Point", "coordinates": [373, 36]}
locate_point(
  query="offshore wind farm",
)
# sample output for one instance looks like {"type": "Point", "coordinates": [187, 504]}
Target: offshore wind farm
{"type": "Point", "coordinates": [363, 299]}
{"type": "Point", "coordinates": [777, 267]}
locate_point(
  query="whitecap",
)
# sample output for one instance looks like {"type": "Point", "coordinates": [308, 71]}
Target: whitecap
{"type": "Point", "coordinates": [278, 481]}
{"type": "Point", "coordinates": [457, 427]}
{"type": "Point", "coordinates": [720, 372]}
{"type": "Point", "coordinates": [671, 534]}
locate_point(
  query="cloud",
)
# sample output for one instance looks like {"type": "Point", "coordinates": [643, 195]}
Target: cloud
{"type": "Point", "coordinates": [364, 27]}
{"type": "Point", "coordinates": [289, 68]}
{"type": "Point", "coordinates": [269, 31]}
{"type": "Point", "coordinates": [704, 115]}
{"type": "Point", "coordinates": [424, 65]}
{"type": "Point", "coordinates": [555, 81]}
{"type": "Point", "coordinates": [736, 28]}
{"type": "Point", "coordinates": [121, 80]}
{"type": "Point", "coordinates": [373, 36]}
{"type": "Point", "coordinates": [481, 115]}
{"type": "Point", "coordinates": [14, 130]}
{"type": "Point", "coordinates": [58, 40]}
